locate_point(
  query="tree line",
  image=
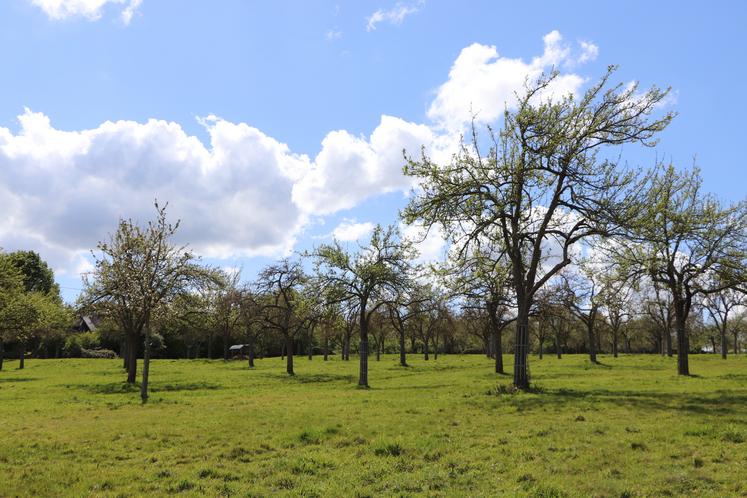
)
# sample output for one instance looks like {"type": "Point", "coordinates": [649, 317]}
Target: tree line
{"type": "Point", "coordinates": [551, 236]}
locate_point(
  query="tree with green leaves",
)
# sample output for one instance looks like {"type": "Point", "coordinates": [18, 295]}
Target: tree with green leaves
{"type": "Point", "coordinates": [541, 184]}
{"type": "Point", "coordinates": [689, 244]}
{"type": "Point", "coordinates": [282, 306]}
{"type": "Point", "coordinates": [137, 271]}
{"type": "Point", "coordinates": [366, 278]}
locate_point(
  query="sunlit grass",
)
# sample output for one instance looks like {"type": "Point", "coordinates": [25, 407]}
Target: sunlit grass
{"type": "Point", "coordinates": [627, 427]}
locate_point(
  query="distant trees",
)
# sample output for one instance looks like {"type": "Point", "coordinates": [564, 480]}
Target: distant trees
{"type": "Point", "coordinates": [540, 183]}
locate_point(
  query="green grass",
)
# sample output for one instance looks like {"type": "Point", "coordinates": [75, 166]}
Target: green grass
{"type": "Point", "coordinates": [628, 427]}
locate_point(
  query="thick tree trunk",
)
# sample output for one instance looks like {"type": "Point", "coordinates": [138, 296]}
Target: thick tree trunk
{"type": "Point", "coordinates": [402, 352]}
{"type": "Point", "coordinates": [425, 349]}
{"type": "Point", "coordinates": [289, 355]}
{"type": "Point", "coordinates": [21, 355]}
{"type": "Point", "coordinates": [614, 342]}
{"type": "Point", "coordinates": [521, 348]}
{"type": "Point", "coordinates": [683, 366]}
{"type": "Point", "coordinates": [498, 335]}
{"type": "Point", "coordinates": [146, 365]}
{"type": "Point", "coordinates": [363, 348]}
{"type": "Point", "coordinates": [558, 352]}
{"type": "Point", "coordinates": [310, 349]}
{"type": "Point", "coordinates": [413, 348]}
{"type": "Point", "coordinates": [723, 342]}
{"type": "Point", "coordinates": [592, 343]}
{"type": "Point", "coordinates": [346, 348]}
{"type": "Point", "coordinates": [435, 348]}
{"type": "Point", "coordinates": [132, 357]}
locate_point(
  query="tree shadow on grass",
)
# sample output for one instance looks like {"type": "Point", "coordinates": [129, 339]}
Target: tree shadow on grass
{"type": "Point", "coordinates": [716, 403]}
{"type": "Point", "coordinates": [124, 387]}
{"type": "Point", "coordinates": [9, 380]}
{"type": "Point", "coordinates": [311, 378]}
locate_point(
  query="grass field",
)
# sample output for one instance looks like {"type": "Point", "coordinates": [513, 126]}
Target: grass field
{"type": "Point", "coordinates": [628, 427]}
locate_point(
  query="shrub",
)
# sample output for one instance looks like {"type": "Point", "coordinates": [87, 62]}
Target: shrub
{"type": "Point", "coordinates": [98, 353]}
{"type": "Point", "coordinates": [76, 343]}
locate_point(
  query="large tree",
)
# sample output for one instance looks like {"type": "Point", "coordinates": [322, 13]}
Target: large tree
{"type": "Point", "coordinates": [541, 185]}
{"type": "Point", "coordinates": [364, 279]}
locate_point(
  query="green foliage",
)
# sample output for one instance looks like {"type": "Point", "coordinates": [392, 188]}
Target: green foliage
{"type": "Point", "coordinates": [74, 344]}
{"type": "Point", "coordinates": [73, 428]}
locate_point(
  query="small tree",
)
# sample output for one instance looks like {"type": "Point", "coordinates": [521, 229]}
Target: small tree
{"type": "Point", "coordinates": [138, 270]}
{"type": "Point", "coordinates": [365, 278]}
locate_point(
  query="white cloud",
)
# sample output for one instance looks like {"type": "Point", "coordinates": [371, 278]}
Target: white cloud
{"type": "Point", "coordinates": [350, 230]}
{"type": "Point", "coordinates": [483, 83]}
{"type": "Point", "coordinates": [88, 9]}
{"type": "Point", "coordinates": [244, 193]}
{"type": "Point", "coordinates": [431, 244]}
{"type": "Point", "coordinates": [395, 15]}
{"type": "Point", "coordinates": [334, 34]}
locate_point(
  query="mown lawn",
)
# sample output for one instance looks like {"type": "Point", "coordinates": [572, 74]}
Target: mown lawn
{"type": "Point", "coordinates": [628, 427]}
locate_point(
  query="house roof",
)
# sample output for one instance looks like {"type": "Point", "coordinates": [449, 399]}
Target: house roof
{"type": "Point", "coordinates": [236, 347]}
{"type": "Point", "coordinates": [89, 322]}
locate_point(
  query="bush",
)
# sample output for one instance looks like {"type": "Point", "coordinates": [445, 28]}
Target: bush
{"type": "Point", "coordinates": [98, 353]}
{"type": "Point", "coordinates": [75, 344]}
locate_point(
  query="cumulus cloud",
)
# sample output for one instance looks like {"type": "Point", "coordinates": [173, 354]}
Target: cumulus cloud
{"type": "Point", "coordinates": [483, 83]}
{"type": "Point", "coordinates": [395, 15]}
{"type": "Point", "coordinates": [349, 230]}
{"type": "Point", "coordinates": [88, 9]}
{"type": "Point", "coordinates": [243, 193]}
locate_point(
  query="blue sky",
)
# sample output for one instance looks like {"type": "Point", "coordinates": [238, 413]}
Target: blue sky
{"type": "Point", "coordinates": [261, 122]}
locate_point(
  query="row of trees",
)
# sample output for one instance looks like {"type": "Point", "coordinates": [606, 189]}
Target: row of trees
{"type": "Point", "coordinates": [549, 234]}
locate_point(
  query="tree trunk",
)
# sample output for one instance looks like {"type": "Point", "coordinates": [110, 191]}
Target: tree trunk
{"type": "Point", "coordinates": [125, 365]}
{"type": "Point", "coordinates": [736, 342]}
{"type": "Point", "coordinates": [289, 355]}
{"type": "Point", "coordinates": [226, 338]}
{"type": "Point", "coordinates": [435, 347]}
{"type": "Point", "coordinates": [132, 357]}
{"type": "Point", "coordinates": [363, 348]}
{"type": "Point", "coordinates": [592, 342]}
{"type": "Point", "coordinates": [378, 350]}
{"type": "Point", "coordinates": [627, 344]}
{"type": "Point", "coordinates": [251, 350]}
{"type": "Point", "coordinates": [498, 335]}
{"type": "Point", "coordinates": [146, 365]}
{"type": "Point", "coordinates": [326, 348]}
{"type": "Point", "coordinates": [558, 352]}
{"type": "Point", "coordinates": [614, 342]}
{"type": "Point", "coordinates": [346, 348]}
{"type": "Point", "coordinates": [521, 348]}
{"type": "Point", "coordinates": [683, 366]}
{"type": "Point", "coordinates": [402, 352]}
{"type": "Point", "coordinates": [723, 342]}
{"type": "Point", "coordinates": [21, 355]}
{"type": "Point", "coordinates": [668, 341]}
{"type": "Point", "coordinates": [541, 348]}
{"type": "Point", "coordinates": [425, 349]}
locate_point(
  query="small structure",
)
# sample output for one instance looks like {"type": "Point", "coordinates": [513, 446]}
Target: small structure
{"type": "Point", "coordinates": [86, 323]}
{"type": "Point", "coordinates": [239, 351]}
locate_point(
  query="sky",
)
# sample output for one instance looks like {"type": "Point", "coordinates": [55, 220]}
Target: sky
{"type": "Point", "coordinates": [270, 127]}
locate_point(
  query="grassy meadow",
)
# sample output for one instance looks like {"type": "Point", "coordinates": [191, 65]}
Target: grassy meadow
{"type": "Point", "coordinates": [627, 427]}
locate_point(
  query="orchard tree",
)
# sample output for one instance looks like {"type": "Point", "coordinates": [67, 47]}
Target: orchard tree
{"type": "Point", "coordinates": [364, 279]}
{"type": "Point", "coordinates": [137, 271]}
{"type": "Point", "coordinates": [722, 306]}
{"type": "Point", "coordinates": [279, 290]}
{"type": "Point", "coordinates": [689, 244]}
{"type": "Point", "coordinates": [541, 184]}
